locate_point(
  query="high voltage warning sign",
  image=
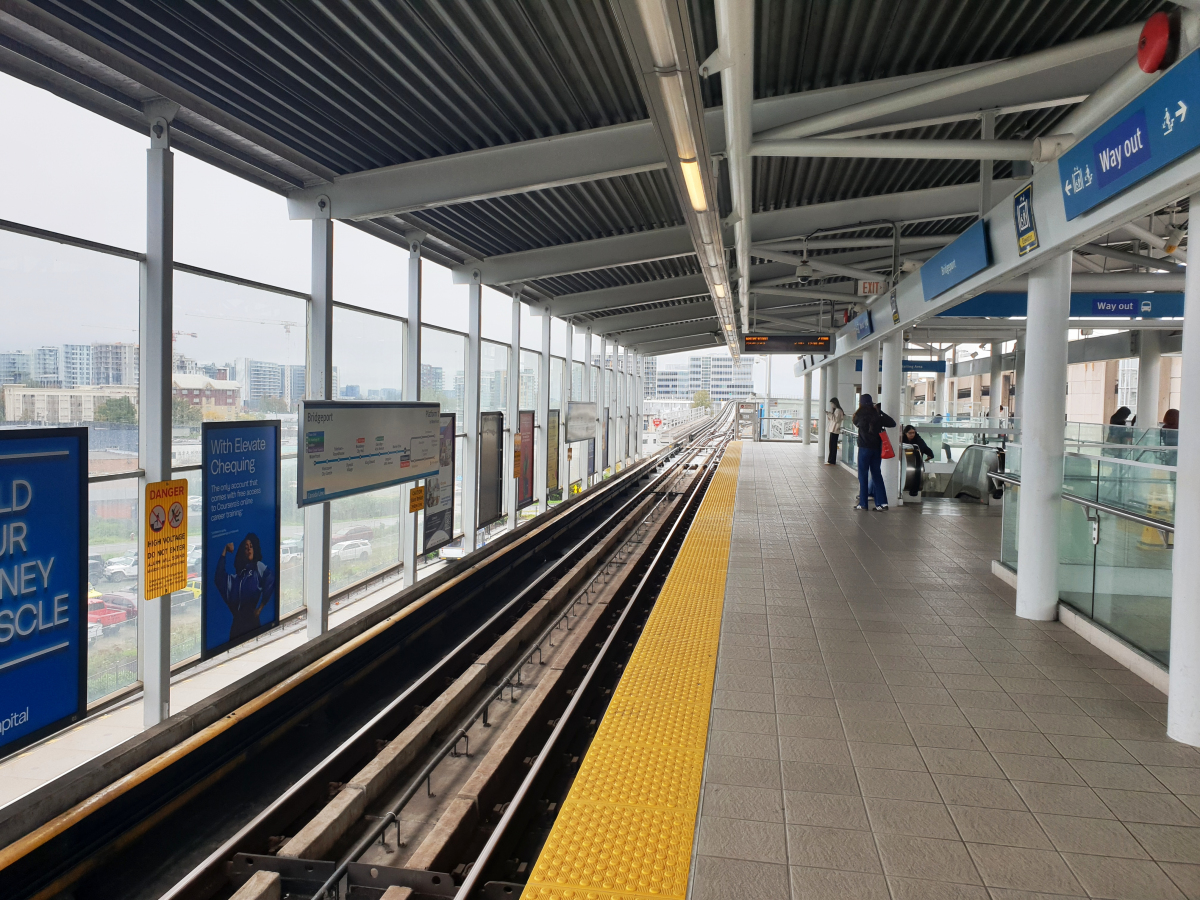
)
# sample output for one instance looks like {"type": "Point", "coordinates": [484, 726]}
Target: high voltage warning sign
{"type": "Point", "coordinates": [165, 551]}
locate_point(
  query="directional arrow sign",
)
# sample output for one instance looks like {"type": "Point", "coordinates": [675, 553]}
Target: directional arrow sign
{"type": "Point", "coordinates": [1128, 148]}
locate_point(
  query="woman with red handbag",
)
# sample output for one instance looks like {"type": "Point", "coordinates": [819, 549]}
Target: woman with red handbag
{"type": "Point", "coordinates": [871, 422]}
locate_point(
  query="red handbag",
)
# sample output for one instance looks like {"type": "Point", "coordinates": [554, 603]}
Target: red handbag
{"type": "Point", "coordinates": [885, 450]}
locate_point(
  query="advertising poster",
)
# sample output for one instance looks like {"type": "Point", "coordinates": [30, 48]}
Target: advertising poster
{"type": "Point", "coordinates": [349, 448]}
{"type": "Point", "coordinates": [43, 582]}
{"type": "Point", "coordinates": [552, 452]}
{"type": "Point", "coordinates": [525, 479]}
{"type": "Point", "coordinates": [439, 491]}
{"type": "Point", "coordinates": [581, 421]}
{"type": "Point", "coordinates": [491, 467]}
{"type": "Point", "coordinates": [240, 549]}
{"type": "Point", "coordinates": [591, 451]}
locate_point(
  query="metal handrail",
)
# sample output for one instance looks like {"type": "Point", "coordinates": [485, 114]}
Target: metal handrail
{"type": "Point", "coordinates": [1117, 511]}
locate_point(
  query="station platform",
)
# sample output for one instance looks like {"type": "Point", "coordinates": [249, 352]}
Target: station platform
{"type": "Point", "coordinates": [881, 724]}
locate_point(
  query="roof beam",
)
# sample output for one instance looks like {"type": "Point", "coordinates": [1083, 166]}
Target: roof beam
{"type": "Point", "coordinates": [1032, 67]}
{"type": "Point", "coordinates": [1037, 150]}
{"type": "Point", "coordinates": [1133, 259]}
{"type": "Point", "coordinates": [668, 332]}
{"type": "Point", "coordinates": [679, 345]}
{"type": "Point", "coordinates": [646, 318]}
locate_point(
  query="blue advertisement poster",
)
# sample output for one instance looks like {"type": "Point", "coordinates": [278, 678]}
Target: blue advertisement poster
{"type": "Point", "coordinates": [241, 532]}
{"type": "Point", "coordinates": [43, 583]}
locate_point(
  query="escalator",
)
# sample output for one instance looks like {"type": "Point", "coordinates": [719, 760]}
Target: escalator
{"type": "Point", "coordinates": [969, 480]}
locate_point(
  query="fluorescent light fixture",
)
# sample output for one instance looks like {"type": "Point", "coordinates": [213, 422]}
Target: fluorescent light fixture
{"type": "Point", "coordinates": [671, 87]}
{"type": "Point", "coordinates": [695, 185]}
{"type": "Point", "coordinates": [658, 32]}
{"type": "Point", "coordinates": [710, 253]}
{"type": "Point", "coordinates": [728, 327]}
{"type": "Point", "coordinates": [719, 289]}
{"type": "Point", "coordinates": [706, 233]}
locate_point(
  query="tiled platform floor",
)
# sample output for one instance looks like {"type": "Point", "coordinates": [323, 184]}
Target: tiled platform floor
{"type": "Point", "coordinates": [885, 727]}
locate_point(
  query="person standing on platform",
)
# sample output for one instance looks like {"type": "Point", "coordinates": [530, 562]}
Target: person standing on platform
{"type": "Point", "coordinates": [870, 421]}
{"type": "Point", "coordinates": [834, 416]}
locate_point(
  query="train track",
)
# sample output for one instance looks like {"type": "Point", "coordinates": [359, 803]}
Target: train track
{"type": "Point", "coordinates": [430, 756]}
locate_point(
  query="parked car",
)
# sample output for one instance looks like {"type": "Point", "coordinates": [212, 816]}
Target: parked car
{"type": "Point", "coordinates": [354, 533]}
{"type": "Point", "coordinates": [92, 592]}
{"type": "Point", "coordinates": [291, 549]}
{"type": "Point", "coordinates": [126, 600]}
{"type": "Point", "coordinates": [348, 551]}
{"type": "Point", "coordinates": [95, 567]}
{"type": "Point", "coordinates": [121, 567]}
{"type": "Point", "coordinates": [195, 552]}
{"type": "Point", "coordinates": [103, 613]}
{"type": "Point", "coordinates": [95, 632]}
{"type": "Point", "coordinates": [193, 585]}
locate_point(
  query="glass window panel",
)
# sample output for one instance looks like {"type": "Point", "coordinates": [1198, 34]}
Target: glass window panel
{"type": "Point", "coordinates": [60, 194]}
{"type": "Point", "coordinates": [369, 272]}
{"type": "Point", "coordinates": [493, 377]}
{"type": "Point", "coordinates": [556, 383]}
{"type": "Point", "coordinates": [558, 337]}
{"type": "Point", "coordinates": [69, 345]}
{"type": "Point", "coordinates": [529, 379]}
{"type": "Point", "coordinates": [259, 242]}
{"type": "Point", "coordinates": [443, 303]}
{"type": "Point", "coordinates": [239, 351]}
{"type": "Point", "coordinates": [443, 369]}
{"type": "Point", "coordinates": [531, 329]}
{"type": "Point", "coordinates": [368, 355]}
{"type": "Point", "coordinates": [495, 316]}
{"type": "Point", "coordinates": [1132, 595]}
{"type": "Point", "coordinates": [365, 537]}
{"type": "Point", "coordinates": [595, 395]}
{"type": "Point", "coordinates": [577, 380]}
{"type": "Point", "coordinates": [113, 572]}
{"type": "Point", "coordinates": [291, 535]}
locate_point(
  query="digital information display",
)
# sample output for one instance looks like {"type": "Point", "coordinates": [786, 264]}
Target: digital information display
{"type": "Point", "coordinates": [787, 343]}
{"type": "Point", "coordinates": [241, 528]}
{"type": "Point", "coordinates": [43, 582]}
{"type": "Point", "coordinates": [349, 448]}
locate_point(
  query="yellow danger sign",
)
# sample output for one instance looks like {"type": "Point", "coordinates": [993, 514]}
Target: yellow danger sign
{"type": "Point", "coordinates": [416, 499]}
{"type": "Point", "coordinates": [165, 552]}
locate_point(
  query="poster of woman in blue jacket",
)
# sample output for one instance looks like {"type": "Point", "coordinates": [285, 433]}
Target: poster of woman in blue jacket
{"type": "Point", "coordinates": [248, 589]}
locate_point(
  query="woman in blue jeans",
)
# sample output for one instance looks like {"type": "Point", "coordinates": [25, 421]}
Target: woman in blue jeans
{"type": "Point", "coordinates": [870, 421]}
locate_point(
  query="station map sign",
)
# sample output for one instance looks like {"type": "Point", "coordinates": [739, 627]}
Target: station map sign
{"type": "Point", "coordinates": [240, 547]}
{"type": "Point", "coordinates": [43, 582]}
{"type": "Point", "coordinates": [1155, 129]}
{"type": "Point", "coordinates": [969, 253]}
{"type": "Point", "coordinates": [349, 448]}
{"type": "Point", "coordinates": [787, 343]}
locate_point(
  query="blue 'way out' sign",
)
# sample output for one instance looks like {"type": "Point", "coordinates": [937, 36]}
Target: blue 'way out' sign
{"type": "Point", "coordinates": [1157, 128]}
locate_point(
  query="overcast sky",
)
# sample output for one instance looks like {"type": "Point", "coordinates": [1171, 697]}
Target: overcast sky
{"type": "Point", "coordinates": [71, 171]}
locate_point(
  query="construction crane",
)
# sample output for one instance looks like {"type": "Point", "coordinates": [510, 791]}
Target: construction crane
{"type": "Point", "coordinates": [175, 335]}
{"type": "Point", "coordinates": [287, 326]}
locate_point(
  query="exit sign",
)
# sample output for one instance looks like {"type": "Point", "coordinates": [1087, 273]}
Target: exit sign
{"type": "Point", "coordinates": [870, 288]}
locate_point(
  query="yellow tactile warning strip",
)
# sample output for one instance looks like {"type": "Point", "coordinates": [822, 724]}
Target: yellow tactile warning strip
{"type": "Point", "coordinates": [626, 828]}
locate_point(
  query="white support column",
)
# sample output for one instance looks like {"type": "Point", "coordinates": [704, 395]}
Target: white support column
{"type": "Point", "coordinates": [846, 378]}
{"type": "Point", "coordinates": [807, 423]}
{"type": "Point", "coordinates": [941, 388]}
{"type": "Point", "coordinates": [1042, 440]}
{"type": "Point", "coordinates": [564, 468]}
{"type": "Point", "coordinates": [154, 436]}
{"type": "Point", "coordinates": [1149, 369]}
{"type": "Point", "coordinates": [827, 375]}
{"type": "Point", "coordinates": [318, 374]}
{"type": "Point", "coordinates": [411, 536]}
{"type": "Point", "coordinates": [1019, 375]}
{"type": "Point", "coordinates": [511, 410]}
{"type": "Point", "coordinates": [870, 370]}
{"type": "Point", "coordinates": [639, 395]}
{"type": "Point", "coordinates": [470, 491]}
{"type": "Point", "coordinates": [987, 132]}
{"type": "Point", "coordinates": [995, 380]}
{"type": "Point", "coordinates": [891, 400]}
{"type": "Point", "coordinates": [587, 396]}
{"type": "Point", "coordinates": [629, 404]}
{"type": "Point", "coordinates": [769, 358]}
{"type": "Point", "coordinates": [542, 416]}
{"type": "Point", "coordinates": [618, 404]}
{"type": "Point", "coordinates": [1183, 702]}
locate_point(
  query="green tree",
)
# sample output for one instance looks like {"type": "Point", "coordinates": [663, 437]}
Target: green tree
{"type": "Point", "coordinates": [273, 405]}
{"type": "Point", "coordinates": [701, 399]}
{"type": "Point", "coordinates": [184, 413]}
{"type": "Point", "coordinates": [117, 409]}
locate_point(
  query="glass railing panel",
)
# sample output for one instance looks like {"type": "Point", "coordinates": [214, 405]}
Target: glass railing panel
{"type": "Point", "coordinates": [1079, 476]}
{"type": "Point", "coordinates": [1012, 459]}
{"type": "Point", "coordinates": [1132, 584]}
{"type": "Point", "coordinates": [1138, 487]}
{"type": "Point", "coordinates": [1076, 557]}
{"type": "Point", "coordinates": [1008, 532]}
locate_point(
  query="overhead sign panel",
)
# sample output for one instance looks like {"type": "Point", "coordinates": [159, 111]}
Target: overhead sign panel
{"type": "Point", "coordinates": [43, 582]}
{"type": "Point", "coordinates": [241, 532]}
{"type": "Point", "coordinates": [864, 326]}
{"type": "Point", "coordinates": [969, 253]}
{"type": "Point", "coordinates": [787, 343]}
{"type": "Point", "coordinates": [1024, 220]}
{"type": "Point", "coordinates": [911, 365]}
{"type": "Point", "coordinates": [350, 448]}
{"type": "Point", "coordinates": [1004, 304]}
{"type": "Point", "coordinates": [1155, 129]}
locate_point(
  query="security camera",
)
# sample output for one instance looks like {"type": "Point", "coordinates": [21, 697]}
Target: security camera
{"type": "Point", "coordinates": [804, 272]}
